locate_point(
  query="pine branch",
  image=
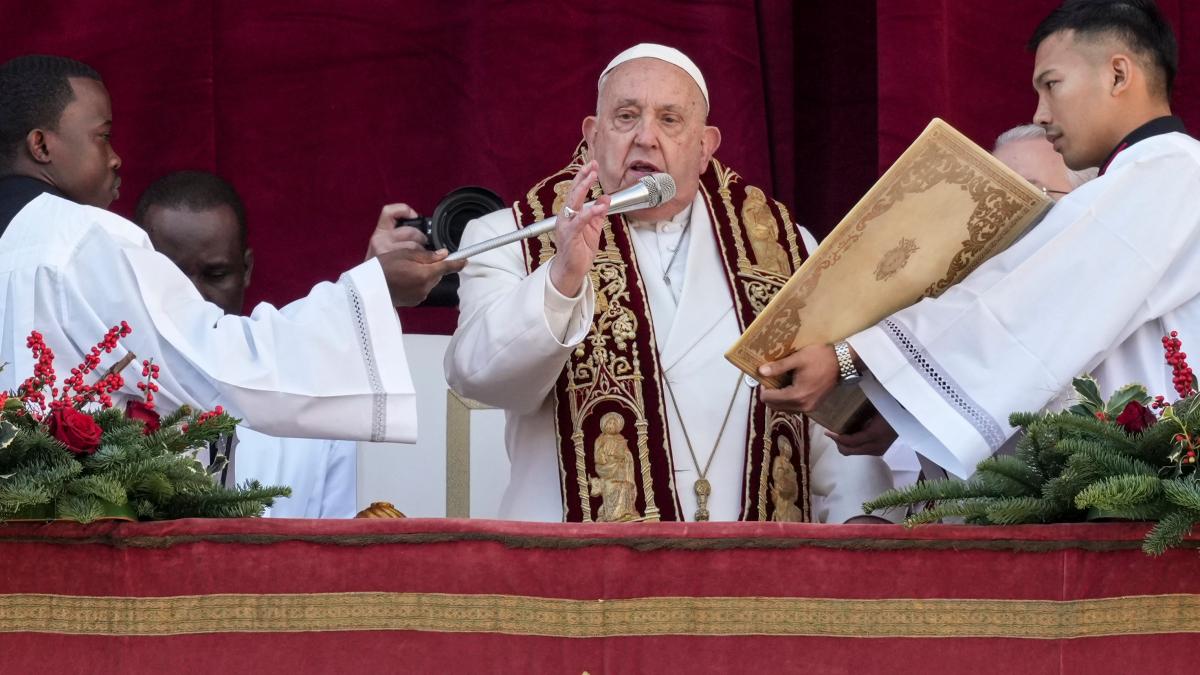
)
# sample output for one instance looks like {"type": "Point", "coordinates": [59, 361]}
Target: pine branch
{"type": "Point", "coordinates": [219, 502]}
{"type": "Point", "coordinates": [1090, 427]}
{"type": "Point", "coordinates": [1020, 510]}
{"type": "Point", "coordinates": [1150, 511]}
{"type": "Point", "coordinates": [1064, 488]}
{"type": "Point", "coordinates": [1024, 478]}
{"type": "Point", "coordinates": [1023, 420]}
{"type": "Point", "coordinates": [1185, 493]}
{"type": "Point", "coordinates": [1120, 492]}
{"type": "Point", "coordinates": [1170, 530]}
{"type": "Point", "coordinates": [101, 487]}
{"type": "Point", "coordinates": [80, 508]}
{"type": "Point", "coordinates": [956, 508]}
{"type": "Point", "coordinates": [925, 491]}
{"type": "Point", "coordinates": [1109, 462]}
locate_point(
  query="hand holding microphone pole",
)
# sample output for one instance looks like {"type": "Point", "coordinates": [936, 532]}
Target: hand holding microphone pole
{"type": "Point", "coordinates": [648, 192]}
{"type": "Point", "coordinates": [577, 233]}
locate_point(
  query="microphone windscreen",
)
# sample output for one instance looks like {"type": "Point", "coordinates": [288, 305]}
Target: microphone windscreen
{"type": "Point", "coordinates": [661, 187]}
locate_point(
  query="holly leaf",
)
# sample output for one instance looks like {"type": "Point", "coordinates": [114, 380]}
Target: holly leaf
{"type": "Point", "coordinates": [8, 431]}
{"type": "Point", "coordinates": [1089, 392]}
{"type": "Point", "coordinates": [1081, 409]}
{"type": "Point", "coordinates": [1122, 397]}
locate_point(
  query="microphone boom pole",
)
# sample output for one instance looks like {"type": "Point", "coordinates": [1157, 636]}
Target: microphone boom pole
{"type": "Point", "coordinates": [648, 193]}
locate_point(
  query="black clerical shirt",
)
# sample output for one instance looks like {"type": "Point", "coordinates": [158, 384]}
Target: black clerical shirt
{"type": "Point", "coordinates": [1159, 125]}
{"type": "Point", "coordinates": [15, 194]}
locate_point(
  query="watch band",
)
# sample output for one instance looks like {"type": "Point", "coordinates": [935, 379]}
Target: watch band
{"type": "Point", "coordinates": [846, 370]}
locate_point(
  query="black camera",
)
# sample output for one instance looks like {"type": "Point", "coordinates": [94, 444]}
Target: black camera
{"type": "Point", "coordinates": [445, 227]}
{"type": "Point", "coordinates": [445, 230]}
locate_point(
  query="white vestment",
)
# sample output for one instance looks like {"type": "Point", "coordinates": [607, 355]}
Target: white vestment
{"type": "Point", "coordinates": [516, 332]}
{"type": "Point", "coordinates": [322, 474]}
{"type": "Point", "coordinates": [330, 365]}
{"type": "Point", "coordinates": [1092, 288]}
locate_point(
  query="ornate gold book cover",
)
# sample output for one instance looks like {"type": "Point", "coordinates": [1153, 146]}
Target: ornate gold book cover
{"type": "Point", "coordinates": [944, 207]}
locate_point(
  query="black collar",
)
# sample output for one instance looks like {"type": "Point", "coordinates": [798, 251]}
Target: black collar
{"type": "Point", "coordinates": [15, 194]}
{"type": "Point", "coordinates": [1159, 125]}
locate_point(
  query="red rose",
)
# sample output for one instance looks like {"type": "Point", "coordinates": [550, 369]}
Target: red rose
{"type": "Point", "coordinates": [78, 431]}
{"type": "Point", "coordinates": [137, 410]}
{"type": "Point", "coordinates": [1136, 418]}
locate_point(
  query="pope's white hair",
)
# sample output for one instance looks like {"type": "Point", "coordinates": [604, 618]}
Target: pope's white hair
{"type": "Point", "coordinates": [1026, 132]}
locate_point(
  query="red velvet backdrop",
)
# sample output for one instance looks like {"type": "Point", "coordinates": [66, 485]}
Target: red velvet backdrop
{"type": "Point", "coordinates": [320, 113]}
{"type": "Point", "coordinates": [965, 61]}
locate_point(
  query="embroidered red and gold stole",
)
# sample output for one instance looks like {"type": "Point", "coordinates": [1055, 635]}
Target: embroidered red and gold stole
{"type": "Point", "coordinates": [614, 448]}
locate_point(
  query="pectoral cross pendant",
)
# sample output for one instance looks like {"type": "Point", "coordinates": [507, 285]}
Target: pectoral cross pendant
{"type": "Point", "coordinates": [703, 490]}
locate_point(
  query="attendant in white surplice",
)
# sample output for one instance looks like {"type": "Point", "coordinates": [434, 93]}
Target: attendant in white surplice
{"type": "Point", "coordinates": [329, 365]}
{"type": "Point", "coordinates": [197, 219]}
{"type": "Point", "coordinates": [1092, 288]}
{"type": "Point", "coordinates": [605, 344]}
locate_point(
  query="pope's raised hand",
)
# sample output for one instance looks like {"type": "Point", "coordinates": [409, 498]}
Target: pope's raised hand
{"type": "Point", "coordinates": [577, 234]}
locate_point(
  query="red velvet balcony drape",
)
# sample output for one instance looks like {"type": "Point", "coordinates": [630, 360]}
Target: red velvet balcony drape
{"type": "Point", "coordinates": [450, 596]}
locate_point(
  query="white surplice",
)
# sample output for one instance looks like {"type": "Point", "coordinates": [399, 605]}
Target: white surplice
{"type": "Point", "coordinates": [516, 332]}
{"type": "Point", "coordinates": [330, 365]}
{"type": "Point", "coordinates": [322, 474]}
{"type": "Point", "coordinates": [1092, 288]}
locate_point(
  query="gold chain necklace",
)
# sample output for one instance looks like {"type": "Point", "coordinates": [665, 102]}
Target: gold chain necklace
{"type": "Point", "coordinates": [702, 487]}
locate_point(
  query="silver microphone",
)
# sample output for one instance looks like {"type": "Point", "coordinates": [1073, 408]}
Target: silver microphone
{"type": "Point", "coordinates": [649, 192]}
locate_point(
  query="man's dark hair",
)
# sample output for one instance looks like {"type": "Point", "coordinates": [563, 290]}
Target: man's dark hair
{"type": "Point", "coordinates": [1137, 23]}
{"type": "Point", "coordinates": [34, 91]}
{"type": "Point", "coordinates": [194, 191]}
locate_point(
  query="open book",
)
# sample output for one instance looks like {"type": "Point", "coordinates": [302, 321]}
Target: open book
{"type": "Point", "coordinates": [943, 208]}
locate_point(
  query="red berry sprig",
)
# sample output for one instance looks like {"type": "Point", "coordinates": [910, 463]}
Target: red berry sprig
{"type": "Point", "coordinates": [102, 389]}
{"type": "Point", "coordinates": [149, 386]}
{"type": "Point", "coordinates": [74, 392]}
{"type": "Point", "coordinates": [205, 416]}
{"type": "Point", "coordinates": [33, 388]}
{"type": "Point", "coordinates": [1182, 376]}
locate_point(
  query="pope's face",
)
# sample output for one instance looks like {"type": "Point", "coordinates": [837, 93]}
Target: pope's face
{"type": "Point", "coordinates": [1038, 163]}
{"type": "Point", "coordinates": [651, 118]}
{"type": "Point", "coordinates": [1073, 83]}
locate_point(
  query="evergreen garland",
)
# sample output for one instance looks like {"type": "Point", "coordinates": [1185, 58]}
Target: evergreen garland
{"type": "Point", "coordinates": [156, 474]}
{"type": "Point", "coordinates": [1097, 460]}
{"type": "Point", "coordinates": [66, 453]}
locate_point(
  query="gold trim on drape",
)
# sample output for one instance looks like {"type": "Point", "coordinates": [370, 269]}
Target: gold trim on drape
{"type": "Point", "coordinates": [554, 617]}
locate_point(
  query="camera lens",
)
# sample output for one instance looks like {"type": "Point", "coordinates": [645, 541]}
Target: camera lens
{"type": "Point", "coordinates": [457, 209]}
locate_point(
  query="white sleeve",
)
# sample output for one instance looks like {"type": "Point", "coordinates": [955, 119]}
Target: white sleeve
{"type": "Point", "coordinates": [810, 242]}
{"type": "Point", "coordinates": [515, 331]}
{"type": "Point", "coordinates": [329, 365]}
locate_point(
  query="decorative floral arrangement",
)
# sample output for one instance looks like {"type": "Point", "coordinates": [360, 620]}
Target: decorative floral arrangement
{"type": "Point", "coordinates": [1131, 457]}
{"type": "Point", "coordinates": [67, 453]}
